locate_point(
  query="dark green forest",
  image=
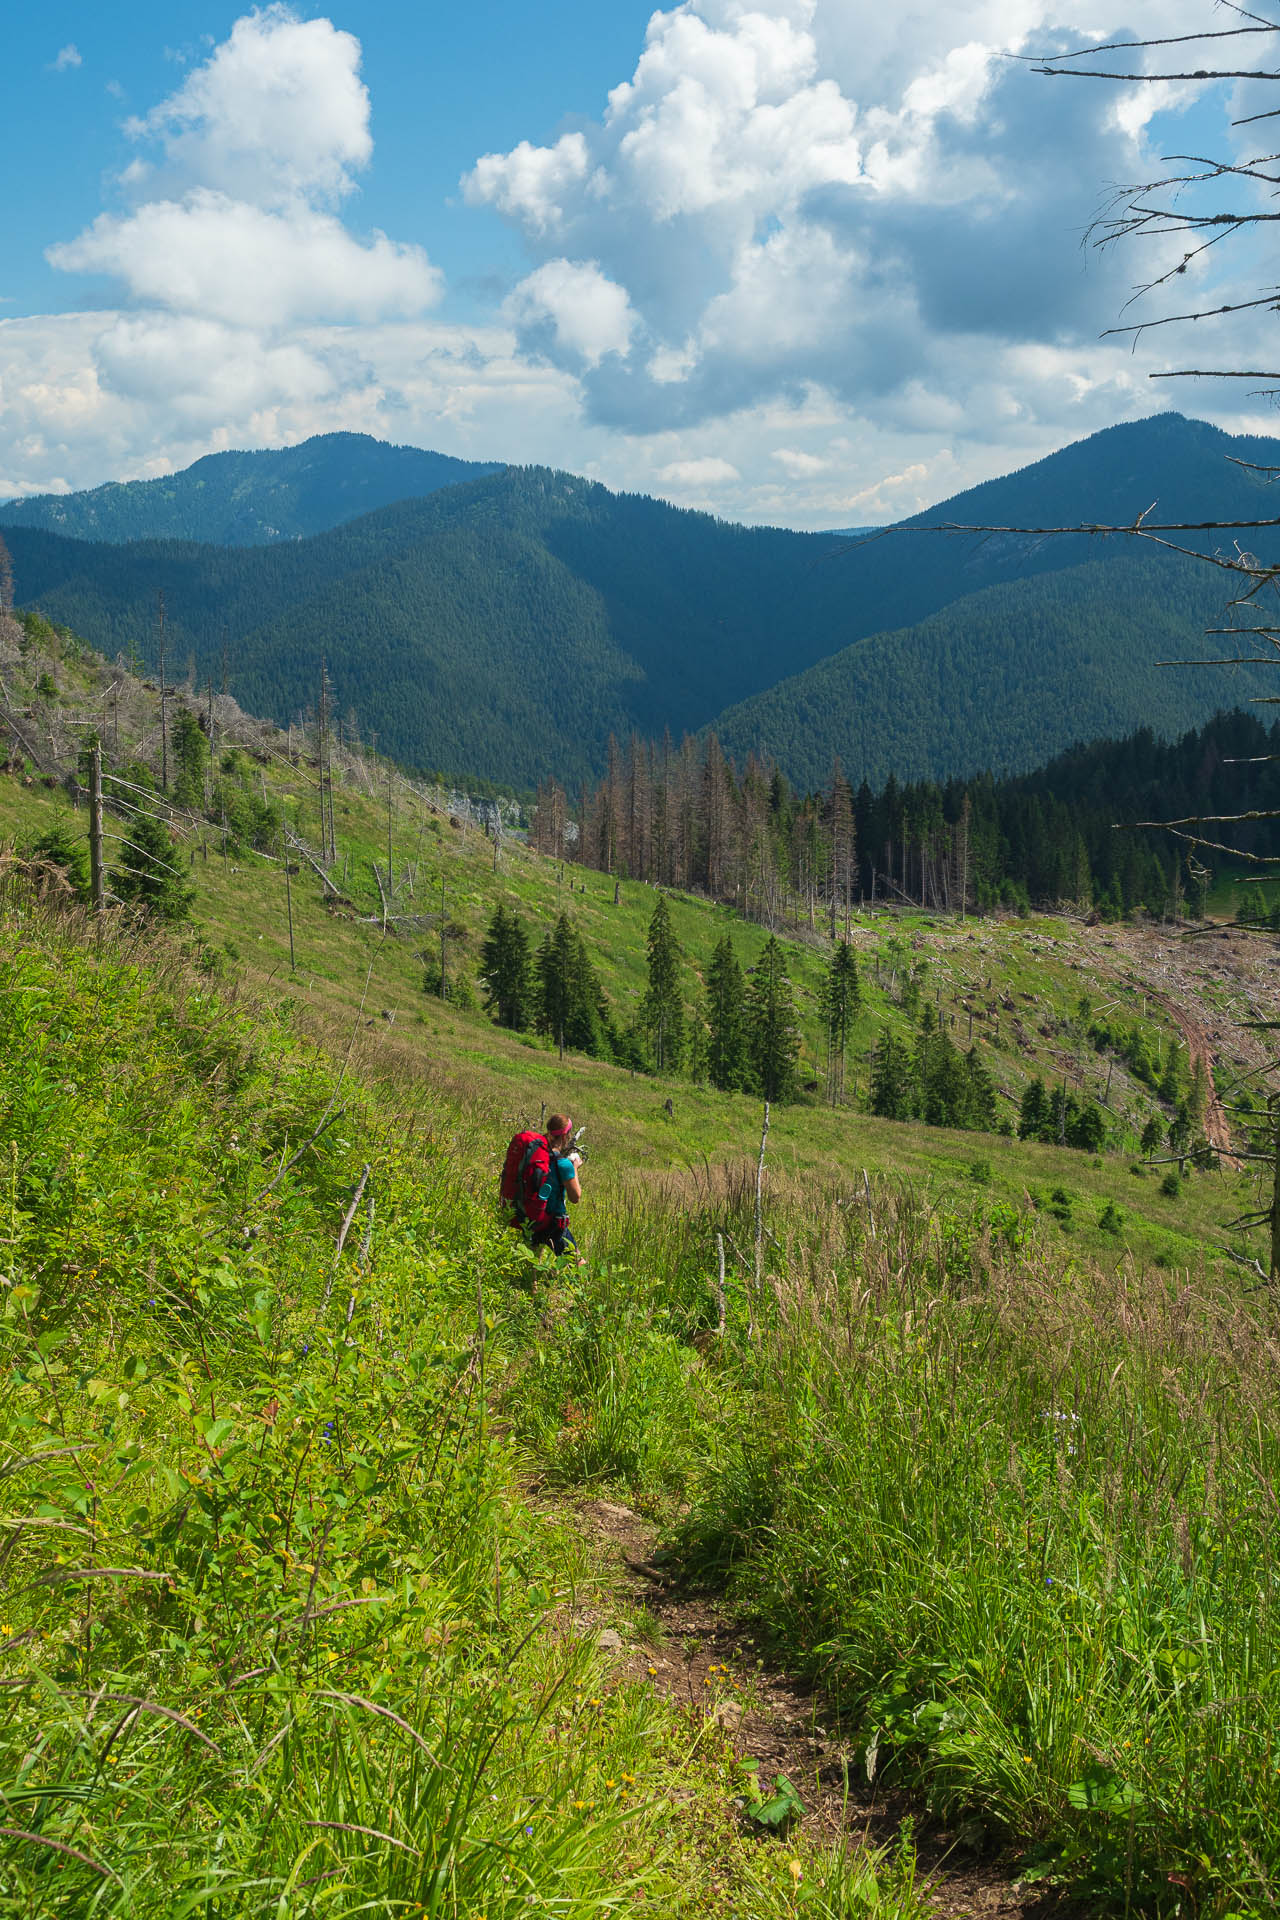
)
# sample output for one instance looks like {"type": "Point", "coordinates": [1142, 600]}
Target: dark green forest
{"type": "Point", "coordinates": [1003, 678]}
{"type": "Point", "coordinates": [1068, 833]}
{"type": "Point", "coordinates": [506, 628]}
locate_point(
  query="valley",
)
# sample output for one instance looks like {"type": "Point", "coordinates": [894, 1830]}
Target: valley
{"type": "Point", "coordinates": [505, 627]}
{"type": "Point", "coordinates": [869, 1525]}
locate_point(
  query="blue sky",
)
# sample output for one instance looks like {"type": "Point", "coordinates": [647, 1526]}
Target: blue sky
{"type": "Point", "coordinates": [806, 261]}
{"type": "Point", "coordinates": [446, 83]}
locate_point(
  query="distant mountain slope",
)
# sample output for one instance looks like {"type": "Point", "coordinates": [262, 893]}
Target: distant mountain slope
{"type": "Point", "coordinates": [1004, 677]}
{"type": "Point", "coordinates": [249, 499]}
{"type": "Point", "coordinates": [507, 626]}
{"type": "Point", "coordinates": [503, 628]}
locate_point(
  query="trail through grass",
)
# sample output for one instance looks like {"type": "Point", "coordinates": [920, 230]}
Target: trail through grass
{"type": "Point", "coordinates": [279, 1635]}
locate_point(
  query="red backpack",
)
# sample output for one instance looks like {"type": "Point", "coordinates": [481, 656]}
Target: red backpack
{"type": "Point", "coordinates": [526, 1170]}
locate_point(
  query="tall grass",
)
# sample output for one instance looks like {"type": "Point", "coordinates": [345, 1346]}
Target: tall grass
{"type": "Point", "coordinates": [277, 1634]}
{"type": "Point", "coordinates": [1018, 1514]}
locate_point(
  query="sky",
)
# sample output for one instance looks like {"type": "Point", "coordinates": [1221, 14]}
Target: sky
{"type": "Point", "coordinates": [815, 263]}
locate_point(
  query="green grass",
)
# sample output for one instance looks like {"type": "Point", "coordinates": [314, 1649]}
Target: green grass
{"type": "Point", "coordinates": [1014, 1510]}
{"type": "Point", "coordinates": [1014, 1513]}
{"type": "Point", "coordinates": [279, 1634]}
{"type": "Point", "coordinates": [345, 964]}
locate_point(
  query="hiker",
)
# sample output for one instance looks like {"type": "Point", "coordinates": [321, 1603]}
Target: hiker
{"type": "Point", "coordinates": [562, 1189]}
{"type": "Point", "coordinates": [540, 1182]}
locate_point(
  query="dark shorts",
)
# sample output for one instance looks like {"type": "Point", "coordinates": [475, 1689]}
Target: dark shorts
{"type": "Point", "coordinates": [556, 1235]}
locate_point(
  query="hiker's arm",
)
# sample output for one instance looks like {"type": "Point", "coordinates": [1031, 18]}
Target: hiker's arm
{"type": "Point", "coordinates": [572, 1185]}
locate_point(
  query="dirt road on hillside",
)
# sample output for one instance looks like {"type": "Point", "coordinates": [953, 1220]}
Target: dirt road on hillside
{"type": "Point", "coordinates": [1216, 1128]}
{"type": "Point", "coordinates": [1210, 984]}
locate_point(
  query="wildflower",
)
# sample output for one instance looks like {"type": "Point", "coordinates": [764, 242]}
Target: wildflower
{"type": "Point", "coordinates": [6, 1630]}
{"type": "Point", "coordinates": [653, 1669]}
{"type": "Point", "coordinates": [610, 1783]}
{"type": "Point", "coordinates": [529, 1830]}
{"type": "Point", "coordinates": [1026, 1759]}
{"type": "Point", "coordinates": [795, 1870]}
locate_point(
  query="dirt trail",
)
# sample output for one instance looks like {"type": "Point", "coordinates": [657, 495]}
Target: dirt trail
{"type": "Point", "coordinates": [713, 1665]}
{"type": "Point", "coordinates": [1216, 1130]}
{"type": "Point", "coordinates": [1210, 984]}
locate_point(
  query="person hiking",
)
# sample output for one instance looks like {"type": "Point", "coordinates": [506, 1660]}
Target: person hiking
{"type": "Point", "coordinates": [561, 1190]}
{"type": "Point", "coordinates": [540, 1181]}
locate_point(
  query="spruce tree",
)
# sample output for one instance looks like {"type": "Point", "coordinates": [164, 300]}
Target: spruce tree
{"type": "Point", "coordinates": [699, 1043]}
{"type": "Point", "coordinates": [148, 876]}
{"type": "Point", "coordinates": [552, 965]}
{"type": "Point", "coordinates": [58, 848]}
{"type": "Point", "coordinates": [892, 1092]}
{"type": "Point", "coordinates": [980, 1105]}
{"type": "Point", "coordinates": [571, 1005]}
{"type": "Point", "coordinates": [588, 1026]}
{"type": "Point", "coordinates": [504, 969]}
{"type": "Point", "coordinates": [191, 757]}
{"type": "Point", "coordinates": [1035, 1112]}
{"type": "Point", "coordinates": [772, 1039]}
{"type": "Point", "coordinates": [841, 999]}
{"type": "Point", "coordinates": [662, 1010]}
{"type": "Point", "coordinates": [1087, 1129]}
{"type": "Point", "coordinates": [727, 1064]}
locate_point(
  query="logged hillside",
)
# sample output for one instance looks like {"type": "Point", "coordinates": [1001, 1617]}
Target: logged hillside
{"type": "Point", "coordinates": [250, 499]}
{"type": "Point", "coordinates": [509, 626]}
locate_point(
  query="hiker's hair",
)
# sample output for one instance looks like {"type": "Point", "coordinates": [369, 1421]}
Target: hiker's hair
{"type": "Point", "coordinates": [558, 1123]}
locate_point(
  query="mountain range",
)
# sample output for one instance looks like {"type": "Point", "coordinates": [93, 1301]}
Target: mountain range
{"type": "Point", "coordinates": [250, 499]}
{"type": "Point", "coordinates": [506, 622]}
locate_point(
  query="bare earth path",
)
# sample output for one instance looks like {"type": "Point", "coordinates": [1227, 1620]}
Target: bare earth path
{"type": "Point", "coordinates": [1211, 984]}
{"type": "Point", "coordinates": [698, 1655]}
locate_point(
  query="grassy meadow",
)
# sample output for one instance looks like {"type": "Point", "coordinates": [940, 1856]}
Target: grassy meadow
{"type": "Point", "coordinates": [1020, 989]}
{"type": "Point", "coordinates": [280, 1634]}
{"type": "Point", "coordinates": [284, 1630]}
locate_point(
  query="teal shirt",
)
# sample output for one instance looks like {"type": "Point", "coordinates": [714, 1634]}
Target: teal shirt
{"type": "Point", "coordinates": [552, 1190]}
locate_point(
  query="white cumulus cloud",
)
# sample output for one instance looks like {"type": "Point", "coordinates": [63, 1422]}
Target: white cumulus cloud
{"type": "Point", "coordinates": [711, 471]}
{"type": "Point", "coordinates": [794, 193]}
{"type": "Point", "coordinates": [808, 263]}
{"type": "Point", "coordinates": [244, 297]}
{"type": "Point", "coordinates": [586, 313]}
{"type": "Point", "coordinates": [278, 111]}
{"type": "Point", "coordinates": [211, 255]}
{"type": "Point", "coordinates": [529, 183]}
{"type": "Point", "coordinates": [67, 57]}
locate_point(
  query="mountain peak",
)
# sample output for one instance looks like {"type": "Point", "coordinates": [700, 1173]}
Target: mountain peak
{"type": "Point", "coordinates": [252, 498]}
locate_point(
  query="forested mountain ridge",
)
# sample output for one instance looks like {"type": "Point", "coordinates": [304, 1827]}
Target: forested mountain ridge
{"type": "Point", "coordinates": [251, 498]}
{"type": "Point", "coordinates": [1005, 676]}
{"type": "Point", "coordinates": [508, 626]}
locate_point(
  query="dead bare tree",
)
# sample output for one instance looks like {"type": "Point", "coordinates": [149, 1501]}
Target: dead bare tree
{"type": "Point", "coordinates": [1198, 200]}
{"type": "Point", "coordinates": [1204, 202]}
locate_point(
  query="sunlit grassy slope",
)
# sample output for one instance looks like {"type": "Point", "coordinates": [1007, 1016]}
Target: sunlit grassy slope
{"type": "Point", "coordinates": [281, 1633]}
{"type": "Point", "coordinates": [278, 1633]}
{"type": "Point", "coordinates": [1023, 981]}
